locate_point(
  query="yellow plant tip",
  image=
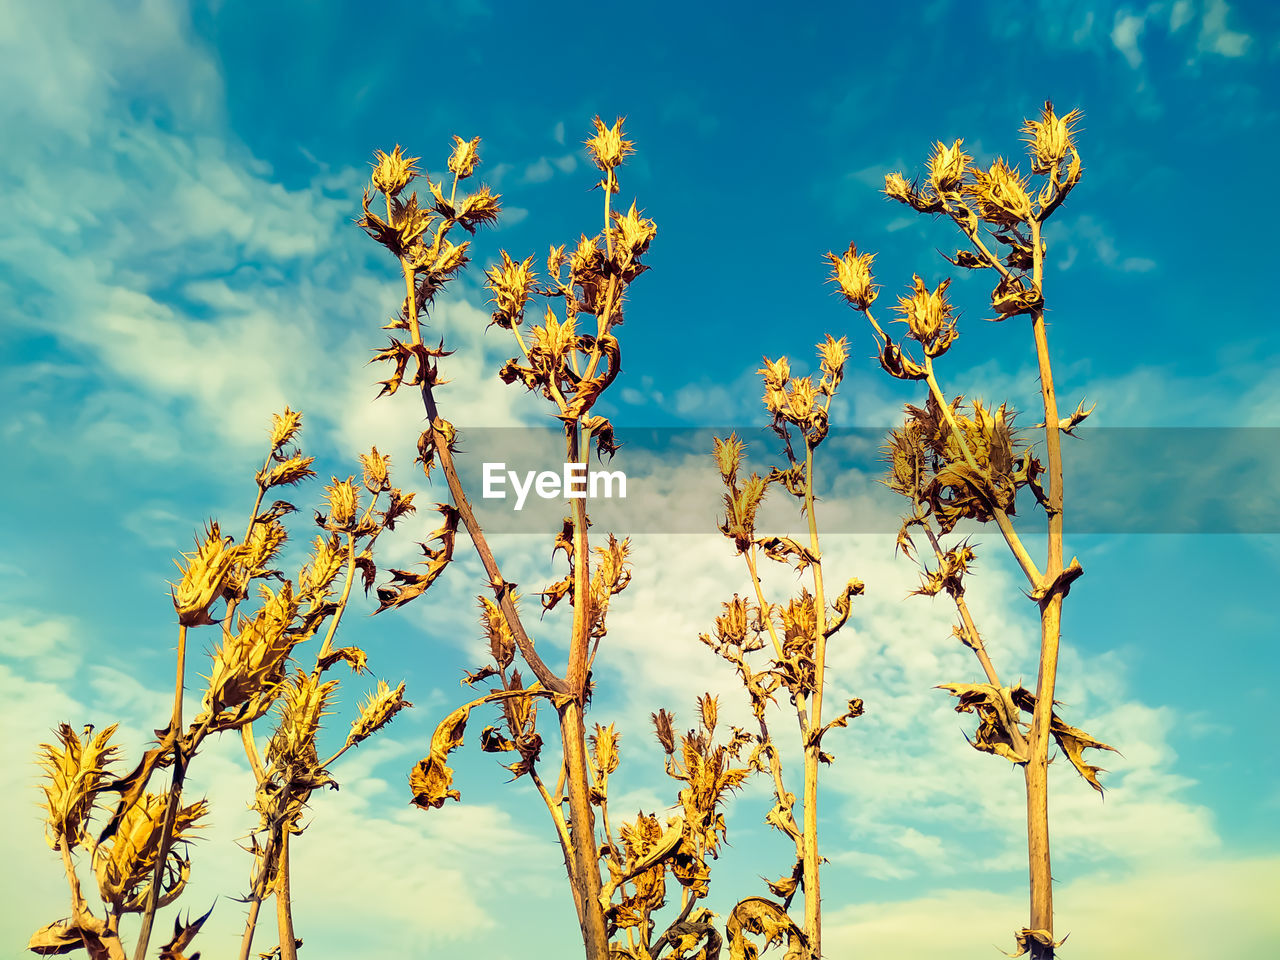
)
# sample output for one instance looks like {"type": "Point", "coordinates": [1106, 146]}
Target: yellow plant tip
{"type": "Point", "coordinates": [897, 188]}
{"type": "Point", "coordinates": [947, 167]}
{"type": "Point", "coordinates": [1001, 195]}
{"type": "Point", "coordinates": [604, 749]}
{"type": "Point", "coordinates": [302, 708]}
{"type": "Point", "coordinates": [252, 660]}
{"type": "Point", "coordinates": [833, 353]}
{"type": "Point", "coordinates": [608, 148]}
{"type": "Point", "coordinates": [376, 712]}
{"type": "Point", "coordinates": [284, 426]}
{"type": "Point", "coordinates": [852, 273]}
{"type": "Point", "coordinates": [1050, 138]}
{"type": "Point", "coordinates": [76, 773]}
{"type": "Point", "coordinates": [512, 285]}
{"type": "Point", "coordinates": [124, 868]}
{"type": "Point", "coordinates": [463, 160]}
{"type": "Point", "coordinates": [728, 454]}
{"type": "Point", "coordinates": [633, 233]}
{"type": "Point", "coordinates": [502, 644]}
{"type": "Point", "coordinates": [343, 501]}
{"type": "Point", "coordinates": [202, 578]}
{"type": "Point", "coordinates": [376, 468]}
{"type": "Point", "coordinates": [286, 472]}
{"type": "Point", "coordinates": [928, 315]}
{"type": "Point", "coordinates": [393, 171]}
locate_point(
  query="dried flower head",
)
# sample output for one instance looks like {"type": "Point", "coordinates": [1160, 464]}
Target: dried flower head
{"type": "Point", "coordinates": [252, 660]}
{"type": "Point", "coordinates": [124, 867]}
{"type": "Point", "coordinates": [1050, 138]}
{"type": "Point", "coordinates": [512, 285]}
{"type": "Point", "coordinates": [343, 501]}
{"type": "Point", "coordinates": [393, 171]}
{"type": "Point", "coordinates": [897, 188]}
{"type": "Point", "coordinates": [852, 273]}
{"type": "Point", "coordinates": [284, 426]}
{"type": "Point", "coordinates": [633, 233]}
{"type": "Point", "coordinates": [947, 166]}
{"type": "Point", "coordinates": [377, 711]}
{"type": "Point", "coordinates": [728, 455]}
{"type": "Point", "coordinates": [202, 578]}
{"type": "Point", "coordinates": [608, 148]}
{"type": "Point", "coordinates": [927, 313]}
{"type": "Point", "coordinates": [463, 160]}
{"type": "Point", "coordinates": [1001, 194]}
{"type": "Point", "coordinates": [76, 773]}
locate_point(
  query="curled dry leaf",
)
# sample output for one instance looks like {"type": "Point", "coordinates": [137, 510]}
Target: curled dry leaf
{"type": "Point", "coordinates": [761, 917]}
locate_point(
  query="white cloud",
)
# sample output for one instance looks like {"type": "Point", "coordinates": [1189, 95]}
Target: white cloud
{"type": "Point", "coordinates": [1127, 29]}
{"type": "Point", "coordinates": [1217, 37]}
{"type": "Point", "coordinates": [1209, 908]}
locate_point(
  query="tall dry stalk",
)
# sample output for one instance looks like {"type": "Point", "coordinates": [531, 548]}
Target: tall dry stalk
{"type": "Point", "coordinates": [570, 370]}
{"type": "Point", "coordinates": [952, 467]}
{"type": "Point", "coordinates": [139, 857]}
{"type": "Point", "coordinates": [797, 632]}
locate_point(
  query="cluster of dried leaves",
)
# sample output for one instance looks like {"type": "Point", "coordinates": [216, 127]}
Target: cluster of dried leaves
{"type": "Point", "coordinates": [140, 855]}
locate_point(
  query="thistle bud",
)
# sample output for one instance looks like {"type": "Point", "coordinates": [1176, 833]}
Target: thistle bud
{"type": "Point", "coordinates": [852, 273]}
{"type": "Point", "coordinates": [392, 172]}
{"type": "Point", "coordinates": [202, 578]}
{"type": "Point", "coordinates": [607, 148]}
{"type": "Point", "coordinates": [1049, 139]}
{"type": "Point", "coordinates": [947, 167]}
{"type": "Point", "coordinates": [728, 455]}
{"type": "Point", "coordinates": [928, 314]}
{"type": "Point", "coordinates": [463, 160]}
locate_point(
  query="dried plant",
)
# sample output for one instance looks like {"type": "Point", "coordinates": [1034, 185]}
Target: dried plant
{"type": "Point", "coordinates": [571, 370]}
{"type": "Point", "coordinates": [951, 466]}
{"type": "Point", "coordinates": [139, 857]}
{"type": "Point", "coordinates": [797, 632]}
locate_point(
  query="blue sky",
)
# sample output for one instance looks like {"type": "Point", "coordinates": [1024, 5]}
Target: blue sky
{"type": "Point", "coordinates": [178, 262]}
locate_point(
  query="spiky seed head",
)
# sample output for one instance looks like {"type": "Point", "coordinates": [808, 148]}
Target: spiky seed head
{"type": "Point", "coordinates": [252, 660]}
{"type": "Point", "coordinates": [376, 468]}
{"type": "Point", "coordinates": [832, 354]}
{"type": "Point", "coordinates": [731, 626]}
{"type": "Point", "coordinates": [663, 728]}
{"type": "Point", "coordinates": [927, 313]}
{"type": "Point", "coordinates": [728, 455]}
{"type": "Point", "coordinates": [1050, 138]}
{"type": "Point", "coordinates": [377, 711]}
{"type": "Point", "coordinates": [633, 232]}
{"type": "Point", "coordinates": [393, 171]}
{"type": "Point", "coordinates": [284, 426]}
{"type": "Point", "coordinates": [124, 867]}
{"type": "Point", "coordinates": [852, 273]}
{"type": "Point", "coordinates": [897, 188]}
{"type": "Point", "coordinates": [463, 160]}
{"type": "Point", "coordinates": [608, 148]}
{"type": "Point", "coordinates": [1001, 194]}
{"type": "Point", "coordinates": [286, 473]}
{"type": "Point", "coordinates": [800, 400]}
{"type": "Point", "coordinates": [512, 284]}
{"type": "Point", "coordinates": [76, 772]}
{"type": "Point", "coordinates": [343, 501]}
{"type": "Point", "coordinates": [947, 166]}
{"type": "Point", "coordinates": [203, 576]}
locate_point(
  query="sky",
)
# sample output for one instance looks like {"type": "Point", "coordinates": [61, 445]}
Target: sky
{"type": "Point", "coordinates": [178, 261]}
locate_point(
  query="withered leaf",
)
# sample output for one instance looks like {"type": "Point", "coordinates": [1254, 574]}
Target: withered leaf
{"type": "Point", "coordinates": [354, 656]}
{"type": "Point", "coordinates": [756, 915]}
